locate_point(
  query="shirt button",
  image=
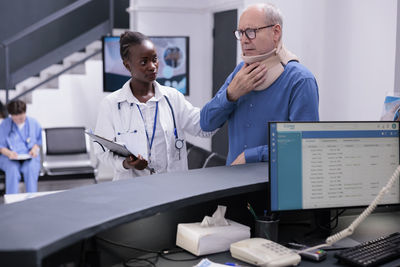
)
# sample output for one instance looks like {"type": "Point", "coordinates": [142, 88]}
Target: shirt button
{"type": "Point", "coordinates": [251, 105]}
{"type": "Point", "coordinates": [248, 125]}
{"type": "Point", "coordinates": [245, 146]}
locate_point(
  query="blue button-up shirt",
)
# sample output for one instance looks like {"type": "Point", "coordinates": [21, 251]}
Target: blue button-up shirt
{"type": "Point", "coordinates": [292, 97]}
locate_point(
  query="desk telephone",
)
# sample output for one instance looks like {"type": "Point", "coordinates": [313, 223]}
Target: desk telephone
{"type": "Point", "coordinates": [263, 252]}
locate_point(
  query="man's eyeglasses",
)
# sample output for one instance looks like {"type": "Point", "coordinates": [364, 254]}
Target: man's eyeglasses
{"type": "Point", "coordinates": [250, 33]}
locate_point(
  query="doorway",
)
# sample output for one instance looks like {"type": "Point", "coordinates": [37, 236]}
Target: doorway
{"type": "Point", "coordinates": [224, 61]}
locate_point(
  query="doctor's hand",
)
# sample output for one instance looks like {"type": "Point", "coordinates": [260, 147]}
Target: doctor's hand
{"type": "Point", "coordinates": [34, 151]}
{"type": "Point", "coordinates": [241, 159]}
{"type": "Point", "coordinates": [247, 78]}
{"type": "Point", "coordinates": [138, 163]}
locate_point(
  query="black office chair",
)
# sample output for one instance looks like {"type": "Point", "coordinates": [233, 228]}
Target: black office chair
{"type": "Point", "coordinates": [196, 157]}
{"type": "Point", "coordinates": [66, 153]}
{"type": "Point", "coordinates": [214, 159]}
{"type": "Point", "coordinates": [188, 146]}
{"type": "Point", "coordinates": [3, 183]}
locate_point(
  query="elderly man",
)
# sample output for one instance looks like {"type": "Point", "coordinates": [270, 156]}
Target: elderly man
{"type": "Point", "coordinates": [269, 85]}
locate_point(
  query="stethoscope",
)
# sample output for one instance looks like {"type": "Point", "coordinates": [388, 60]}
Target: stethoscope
{"type": "Point", "coordinates": [179, 143]}
{"type": "Point", "coordinates": [26, 141]}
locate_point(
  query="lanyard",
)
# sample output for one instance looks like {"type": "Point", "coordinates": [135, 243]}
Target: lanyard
{"type": "Point", "coordinates": [154, 127]}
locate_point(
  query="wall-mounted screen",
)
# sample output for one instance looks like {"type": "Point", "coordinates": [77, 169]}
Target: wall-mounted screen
{"type": "Point", "coordinates": [173, 68]}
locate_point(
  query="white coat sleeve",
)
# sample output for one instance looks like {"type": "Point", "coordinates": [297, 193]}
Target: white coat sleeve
{"type": "Point", "coordinates": [189, 117]}
{"type": "Point", "coordinates": [105, 127]}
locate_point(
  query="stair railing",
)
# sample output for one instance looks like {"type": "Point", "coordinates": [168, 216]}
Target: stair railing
{"type": "Point", "coordinates": [55, 75]}
{"type": "Point", "coordinates": [36, 26]}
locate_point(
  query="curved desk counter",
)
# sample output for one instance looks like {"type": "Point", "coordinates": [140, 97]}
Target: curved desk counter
{"type": "Point", "coordinates": [35, 228]}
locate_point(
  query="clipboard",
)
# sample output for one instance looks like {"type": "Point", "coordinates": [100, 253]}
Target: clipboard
{"type": "Point", "coordinates": [115, 147]}
{"type": "Point", "coordinates": [112, 146]}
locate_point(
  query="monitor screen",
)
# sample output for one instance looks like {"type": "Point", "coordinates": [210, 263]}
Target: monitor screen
{"type": "Point", "coordinates": [173, 67]}
{"type": "Point", "coordinates": [318, 165]}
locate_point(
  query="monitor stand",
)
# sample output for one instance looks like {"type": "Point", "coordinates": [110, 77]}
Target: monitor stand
{"type": "Point", "coordinates": [321, 227]}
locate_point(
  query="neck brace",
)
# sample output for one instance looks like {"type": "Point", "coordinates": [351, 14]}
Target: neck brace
{"type": "Point", "coordinates": [274, 62]}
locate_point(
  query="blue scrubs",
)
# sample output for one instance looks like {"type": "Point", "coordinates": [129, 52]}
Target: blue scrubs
{"type": "Point", "coordinates": [292, 97]}
{"type": "Point", "coordinates": [20, 141]}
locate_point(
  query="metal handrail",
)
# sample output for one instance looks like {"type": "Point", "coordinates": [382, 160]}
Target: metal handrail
{"type": "Point", "coordinates": [34, 27]}
{"type": "Point", "coordinates": [47, 20]}
{"type": "Point", "coordinates": [56, 75]}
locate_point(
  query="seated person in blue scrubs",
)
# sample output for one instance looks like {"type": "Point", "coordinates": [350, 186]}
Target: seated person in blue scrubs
{"type": "Point", "coordinates": [269, 85]}
{"type": "Point", "coordinates": [20, 138]}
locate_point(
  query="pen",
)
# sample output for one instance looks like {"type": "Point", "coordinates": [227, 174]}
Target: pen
{"type": "Point", "coordinates": [234, 264]}
{"type": "Point", "coordinates": [251, 211]}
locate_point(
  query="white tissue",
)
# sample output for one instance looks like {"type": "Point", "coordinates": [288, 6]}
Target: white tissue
{"type": "Point", "coordinates": [217, 219]}
{"type": "Point", "coordinates": [215, 234]}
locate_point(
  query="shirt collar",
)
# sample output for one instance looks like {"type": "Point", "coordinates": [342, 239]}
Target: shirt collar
{"type": "Point", "coordinates": [126, 93]}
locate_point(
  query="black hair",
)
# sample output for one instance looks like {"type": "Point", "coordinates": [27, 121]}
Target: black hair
{"type": "Point", "coordinates": [3, 112]}
{"type": "Point", "coordinates": [16, 107]}
{"type": "Point", "coordinates": [129, 39]}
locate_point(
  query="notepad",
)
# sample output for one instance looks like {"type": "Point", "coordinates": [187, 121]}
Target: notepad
{"type": "Point", "coordinates": [23, 157]}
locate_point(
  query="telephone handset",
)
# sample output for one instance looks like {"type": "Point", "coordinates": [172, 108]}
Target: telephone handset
{"type": "Point", "coordinates": [264, 252]}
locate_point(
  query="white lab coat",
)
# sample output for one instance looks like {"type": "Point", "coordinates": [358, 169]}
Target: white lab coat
{"type": "Point", "coordinates": [113, 118]}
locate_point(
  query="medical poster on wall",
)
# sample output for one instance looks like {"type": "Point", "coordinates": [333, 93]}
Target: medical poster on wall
{"type": "Point", "coordinates": [173, 68]}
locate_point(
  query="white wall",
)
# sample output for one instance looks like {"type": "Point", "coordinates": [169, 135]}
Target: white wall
{"type": "Point", "coordinates": [74, 103]}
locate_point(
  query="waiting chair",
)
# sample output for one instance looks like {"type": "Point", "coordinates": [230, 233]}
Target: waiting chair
{"type": "Point", "coordinates": [196, 157]}
{"type": "Point", "coordinates": [2, 183]}
{"type": "Point", "coordinates": [213, 160]}
{"type": "Point", "coordinates": [66, 152]}
{"type": "Point", "coordinates": [201, 158]}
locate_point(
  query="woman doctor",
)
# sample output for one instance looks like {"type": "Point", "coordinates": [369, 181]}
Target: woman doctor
{"type": "Point", "coordinates": [20, 136]}
{"type": "Point", "coordinates": [150, 119]}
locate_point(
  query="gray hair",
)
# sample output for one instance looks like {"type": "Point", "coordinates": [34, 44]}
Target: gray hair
{"type": "Point", "coordinates": [273, 14]}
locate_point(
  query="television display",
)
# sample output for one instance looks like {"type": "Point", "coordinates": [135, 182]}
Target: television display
{"type": "Point", "coordinates": [173, 69]}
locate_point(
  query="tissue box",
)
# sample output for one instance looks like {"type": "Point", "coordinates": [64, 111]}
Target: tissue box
{"type": "Point", "coordinates": [212, 239]}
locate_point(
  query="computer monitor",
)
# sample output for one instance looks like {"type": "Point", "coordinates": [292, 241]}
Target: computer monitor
{"type": "Point", "coordinates": [173, 66]}
{"type": "Point", "coordinates": [320, 165]}
{"type": "Point", "coordinates": [114, 72]}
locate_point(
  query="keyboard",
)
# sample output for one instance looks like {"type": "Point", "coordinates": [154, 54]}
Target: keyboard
{"type": "Point", "coordinates": [372, 253]}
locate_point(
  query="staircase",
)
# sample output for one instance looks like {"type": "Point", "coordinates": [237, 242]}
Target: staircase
{"type": "Point", "coordinates": [49, 77]}
{"type": "Point", "coordinates": [27, 57]}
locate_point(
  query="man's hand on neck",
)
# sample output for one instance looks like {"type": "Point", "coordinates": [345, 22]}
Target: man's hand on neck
{"type": "Point", "coordinates": [248, 78]}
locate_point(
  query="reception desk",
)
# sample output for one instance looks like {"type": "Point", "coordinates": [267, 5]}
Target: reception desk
{"type": "Point", "coordinates": [32, 230]}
